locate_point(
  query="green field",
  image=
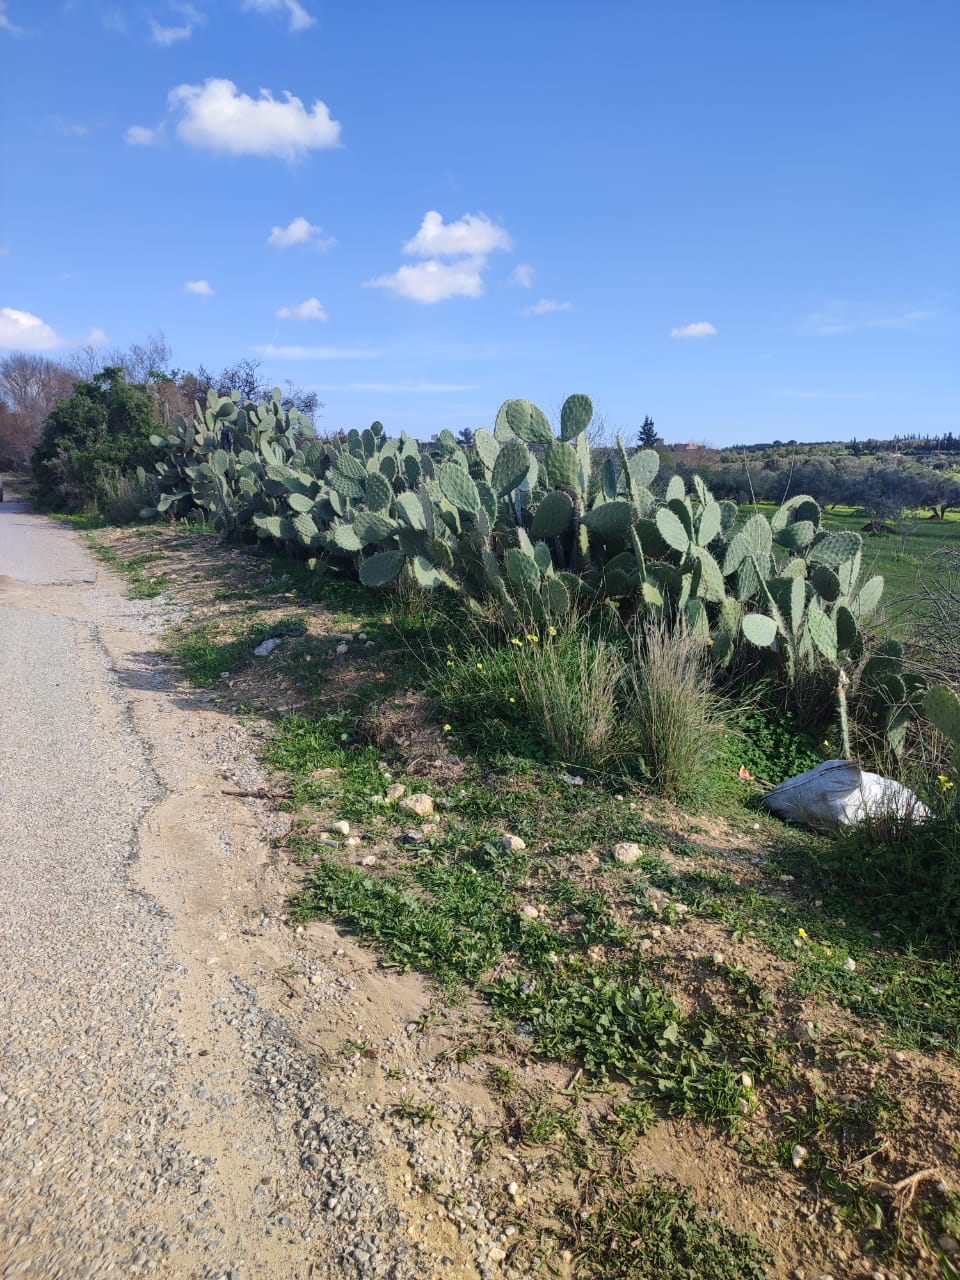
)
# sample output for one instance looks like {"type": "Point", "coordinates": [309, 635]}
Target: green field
{"type": "Point", "coordinates": [899, 556]}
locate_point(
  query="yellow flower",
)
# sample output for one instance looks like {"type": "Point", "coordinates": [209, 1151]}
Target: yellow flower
{"type": "Point", "coordinates": [446, 728]}
{"type": "Point", "coordinates": [513, 699]}
{"type": "Point", "coordinates": [553, 631]}
{"type": "Point", "coordinates": [518, 643]}
{"type": "Point", "coordinates": [533, 639]}
{"type": "Point", "coordinates": [479, 666]}
{"type": "Point", "coordinates": [449, 663]}
{"type": "Point", "coordinates": [802, 933]}
{"type": "Point", "coordinates": [826, 742]}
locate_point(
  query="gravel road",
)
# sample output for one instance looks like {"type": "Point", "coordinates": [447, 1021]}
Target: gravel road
{"type": "Point", "coordinates": [157, 1114]}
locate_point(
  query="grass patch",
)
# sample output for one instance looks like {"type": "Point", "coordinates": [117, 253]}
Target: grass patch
{"type": "Point", "coordinates": [206, 655]}
{"type": "Point", "coordinates": [660, 1231]}
{"type": "Point", "coordinates": [142, 585]}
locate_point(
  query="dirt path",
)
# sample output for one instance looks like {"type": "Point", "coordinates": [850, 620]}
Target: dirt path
{"type": "Point", "coordinates": [163, 1106]}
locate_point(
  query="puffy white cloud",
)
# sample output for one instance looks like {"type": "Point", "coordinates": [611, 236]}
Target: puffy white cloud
{"type": "Point", "coordinates": [699, 329]}
{"type": "Point", "coordinates": [300, 19]}
{"type": "Point", "coordinates": [435, 281]}
{"type": "Point", "coordinates": [545, 306]}
{"type": "Point", "coordinates": [216, 115]}
{"type": "Point", "coordinates": [522, 275]}
{"type": "Point", "coordinates": [139, 135]}
{"type": "Point", "coordinates": [311, 309]}
{"type": "Point", "coordinates": [202, 287]}
{"type": "Point", "coordinates": [473, 234]}
{"type": "Point", "coordinates": [22, 331]}
{"type": "Point", "coordinates": [300, 231]}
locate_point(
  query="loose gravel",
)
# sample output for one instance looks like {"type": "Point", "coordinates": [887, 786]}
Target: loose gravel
{"type": "Point", "coordinates": [157, 1115]}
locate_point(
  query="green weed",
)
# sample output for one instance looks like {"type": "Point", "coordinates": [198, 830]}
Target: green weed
{"type": "Point", "coordinates": [142, 586]}
{"type": "Point", "coordinates": [660, 1231]}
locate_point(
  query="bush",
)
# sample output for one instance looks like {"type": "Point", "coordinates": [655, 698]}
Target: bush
{"type": "Point", "coordinates": [559, 693]}
{"type": "Point", "coordinates": [118, 497]}
{"type": "Point", "coordinates": [674, 709]}
{"type": "Point", "coordinates": [103, 429]}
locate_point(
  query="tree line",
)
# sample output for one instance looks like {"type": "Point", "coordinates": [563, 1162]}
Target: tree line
{"type": "Point", "coordinates": [32, 386]}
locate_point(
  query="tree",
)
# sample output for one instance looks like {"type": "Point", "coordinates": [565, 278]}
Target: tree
{"type": "Point", "coordinates": [244, 376]}
{"type": "Point", "coordinates": [648, 438]}
{"type": "Point", "coordinates": [30, 386]}
{"type": "Point", "coordinates": [466, 437]}
{"type": "Point", "coordinates": [102, 430]}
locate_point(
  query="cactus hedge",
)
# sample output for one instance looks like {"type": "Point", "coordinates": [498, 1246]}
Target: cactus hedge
{"type": "Point", "coordinates": [527, 519]}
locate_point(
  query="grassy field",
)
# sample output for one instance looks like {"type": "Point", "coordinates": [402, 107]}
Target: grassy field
{"type": "Point", "coordinates": [898, 556]}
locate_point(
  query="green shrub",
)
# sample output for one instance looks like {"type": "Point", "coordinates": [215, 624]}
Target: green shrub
{"type": "Point", "coordinates": [102, 429]}
{"type": "Point", "coordinates": [772, 745]}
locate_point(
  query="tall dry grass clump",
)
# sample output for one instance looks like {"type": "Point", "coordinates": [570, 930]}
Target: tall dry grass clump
{"type": "Point", "coordinates": [571, 685]}
{"type": "Point", "coordinates": [674, 708]}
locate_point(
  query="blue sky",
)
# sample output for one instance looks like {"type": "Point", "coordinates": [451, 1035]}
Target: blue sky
{"type": "Point", "coordinates": [738, 218]}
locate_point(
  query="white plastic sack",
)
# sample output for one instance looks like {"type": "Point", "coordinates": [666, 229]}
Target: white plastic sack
{"type": "Point", "coordinates": [838, 793]}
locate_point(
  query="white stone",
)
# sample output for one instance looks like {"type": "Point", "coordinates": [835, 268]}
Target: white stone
{"type": "Point", "coordinates": [419, 804]}
{"type": "Point", "coordinates": [341, 827]}
{"type": "Point", "coordinates": [850, 964]}
{"type": "Point", "coordinates": [342, 648]}
{"type": "Point", "coordinates": [369, 861]}
{"type": "Point", "coordinates": [530, 912]}
{"type": "Point", "coordinates": [265, 649]}
{"type": "Point", "coordinates": [513, 844]}
{"type": "Point", "coordinates": [627, 852]}
{"type": "Point", "coordinates": [395, 791]}
{"type": "Point", "coordinates": [799, 1155]}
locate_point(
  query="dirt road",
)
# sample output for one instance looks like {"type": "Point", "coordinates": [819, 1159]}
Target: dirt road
{"type": "Point", "coordinates": [161, 1108]}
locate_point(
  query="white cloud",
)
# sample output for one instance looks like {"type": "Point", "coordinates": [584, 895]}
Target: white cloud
{"type": "Point", "coordinates": [436, 281]}
{"type": "Point", "coordinates": [473, 234]}
{"type": "Point", "coordinates": [522, 275]}
{"type": "Point", "coordinates": [216, 115]}
{"type": "Point", "coordinates": [300, 19]}
{"type": "Point", "coordinates": [311, 309]}
{"type": "Point", "coordinates": [139, 135]}
{"type": "Point", "coordinates": [21, 331]}
{"type": "Point", "coordinates": [849, 317]}
{"type": "Point", "coordinates": [300, 231]}
{"type": "Point", "coordinates": [699, 329]}
{"type": "Point", "coordinates": [6, 24]}
{"type": "Point", "coordinates": [201, 287]}
{"type": "Point", "coordinates": [166, 36]}
{"type": "Point", "coordinates": [316, 353]}
{"type": "Point", "coordinates": [545, 306]}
